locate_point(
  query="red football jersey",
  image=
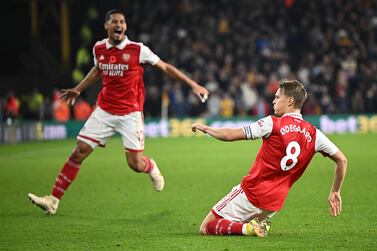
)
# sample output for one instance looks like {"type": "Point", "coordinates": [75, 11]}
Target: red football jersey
{"type": "Point", "coordinates": [122, 75]}
{"type": "Point", "coordinates": [289, 143]}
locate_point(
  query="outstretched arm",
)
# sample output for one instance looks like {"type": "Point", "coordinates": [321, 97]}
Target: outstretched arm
{"type": "Point", "coordinates": [335, 200]}
{"type": "Point", "coordinates": [71, 94]}
{"type": "Point", "coordinates": [199, 91]}
{"type": "Point", "coordinates": [223, 134]}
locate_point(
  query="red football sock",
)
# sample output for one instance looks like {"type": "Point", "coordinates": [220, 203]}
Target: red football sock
{"type": "Point", "coordinates": [65, 178]}
{"type": "Point", "coordinates": [148, 164]}
{"type": "Point", "coordinates": [222, 226]}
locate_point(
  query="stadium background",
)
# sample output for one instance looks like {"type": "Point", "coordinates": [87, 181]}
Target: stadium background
{"type": "Point", "coordinates": [238, 50]}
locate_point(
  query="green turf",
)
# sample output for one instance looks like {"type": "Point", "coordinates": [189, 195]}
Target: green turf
{"type": "Point", "coordinates": [109, 207]}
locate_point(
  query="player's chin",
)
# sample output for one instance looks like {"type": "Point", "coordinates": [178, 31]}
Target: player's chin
{"type": "Point", "coordinates": [117, 37]}
{"type": "Point", "coordinates": [277, 113]}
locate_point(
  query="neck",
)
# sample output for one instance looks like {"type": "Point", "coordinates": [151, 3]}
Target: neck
{"type": "Point", "coordinates": [293, 111]}
{"type": "Point", "coordinates": [116, 42]}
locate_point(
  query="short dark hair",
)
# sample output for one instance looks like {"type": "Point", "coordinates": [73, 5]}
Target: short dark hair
{"type": "Point", "coordinates": [114, 11]}
{"type": "Point", "coordinates": [294, 89]}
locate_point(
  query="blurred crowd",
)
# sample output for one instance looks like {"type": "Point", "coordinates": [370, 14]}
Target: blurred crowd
{"type": "Point", "coordinates": [37, 106]}
{"type": "Point", "coordinates": [240, 50]}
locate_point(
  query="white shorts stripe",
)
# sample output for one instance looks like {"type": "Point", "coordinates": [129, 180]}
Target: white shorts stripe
{"type": "Point", "coordinates": [236, 207]}
{"type": "Point", "coordinates": [228, 199]}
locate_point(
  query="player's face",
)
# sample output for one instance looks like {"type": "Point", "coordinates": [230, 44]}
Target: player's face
{"type": "Point", "coordinates": [281, 103]}
{"type": "Point", "coordinates": [116, 27]}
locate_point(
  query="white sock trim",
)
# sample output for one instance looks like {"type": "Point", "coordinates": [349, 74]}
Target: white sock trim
{"type": "Point", "coordinates": [244, 229]}
{"type": "Point", "coordinates": [56, 200]}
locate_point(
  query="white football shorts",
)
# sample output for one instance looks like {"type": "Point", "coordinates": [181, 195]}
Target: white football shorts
{"type": "Point", "coordinates": [101, 125]}
{"type": "Point", "coordinates": [236, 207]}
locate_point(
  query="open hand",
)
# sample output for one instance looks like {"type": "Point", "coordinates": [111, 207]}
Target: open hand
{"type": "Point", "coordinates": [69, 95]}
{"type": "Point", "coordinates": [335, 202]}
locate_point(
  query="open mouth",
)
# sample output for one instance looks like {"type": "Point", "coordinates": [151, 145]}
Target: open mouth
{"type": "Point", "coordinates": [118, 31]}
{"type": "Point", "coordinates": [118, 34]}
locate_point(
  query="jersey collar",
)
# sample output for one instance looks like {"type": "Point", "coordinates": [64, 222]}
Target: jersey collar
{"type": "Point", "coordinates": [293, 114]}
{"type": "Point", "coordinates": [119, 46]}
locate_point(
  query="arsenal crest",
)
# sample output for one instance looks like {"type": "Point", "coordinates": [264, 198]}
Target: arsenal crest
{"type": "Point", "coordinates": [126, 57]}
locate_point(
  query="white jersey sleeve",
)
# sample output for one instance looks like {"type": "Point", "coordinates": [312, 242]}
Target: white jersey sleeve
{"type": "Point", "coordinates": [260, 129]}
{"type": "Point", "coordinates": [147, 56]}
{"type": "Point", "coordinates": [324, 145]}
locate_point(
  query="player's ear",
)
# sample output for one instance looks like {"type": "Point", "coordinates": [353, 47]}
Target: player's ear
{"type": "Point", "coordinates": [106, 26]}
{"type": "Point", "coordinates": [291, 101]}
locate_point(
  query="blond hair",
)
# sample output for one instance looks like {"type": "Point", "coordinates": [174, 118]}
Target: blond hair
{"type": "Point", "coordinates": [294, 89]}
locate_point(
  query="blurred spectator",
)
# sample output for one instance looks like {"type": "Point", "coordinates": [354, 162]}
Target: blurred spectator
{"type": "Point", "coordinates": [342, 101]}
{"type": "Point", "coordinates": [12, 106]}
{"type": "Point", "coordinates": [249, 96]}
{"type": "Point", "coordinates": [262, 108]}
{"type": "Point", "coordinates": [371, 99]}
{"type": "Point", "coordinates": [214, 104]}
{"type": "Point", "coordinates": [272, 86]}
{"type": "Point", "coordinates": [47, 113]}
{"type": "Point", "coordinates": [212, 85]}
{"type": "Point", "coordinates": [178, 102]}
{"type": "Point", "coordinates": [35, 105]}
{"type": "Point", "coordinates": [303, 74]}
{"type": "Point", "coordinates": [357, 103]}
{"type": "Point", "coordinates": [1, 109]}
{"type": "Point", "coordinates": [152, 107]}
{"type": "Point", "coordinates": [196, 108]}
{"type": "Point", "coordinates": [327, 104]}
{"type": "Point", "coordinates": [81, 109]}
{"type": "Point", "coordinates": [61, 112]}
{"type": "Point", "coordinates": [226, 106]}
{"type": "Point", "coordinates": [311, 106]}
{"type": "Point", "coordinates": [284, 70]}
{"type": "Point", "coordinates": [243, 48]}
{"type": "Point", "coordinates": [232, 99]}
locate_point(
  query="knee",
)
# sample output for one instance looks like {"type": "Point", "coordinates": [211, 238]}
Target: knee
{"type": "Point", "coordinates": [80, 153]}
{"type": "Point", "coordinates": [202, 230]}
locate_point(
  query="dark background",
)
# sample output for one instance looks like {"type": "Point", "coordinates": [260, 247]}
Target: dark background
{"type": "Point", "coordinates": [322, 36]}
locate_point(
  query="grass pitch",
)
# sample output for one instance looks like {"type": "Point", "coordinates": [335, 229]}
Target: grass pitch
{"type": "Point", "coordinates": [109, 207]}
